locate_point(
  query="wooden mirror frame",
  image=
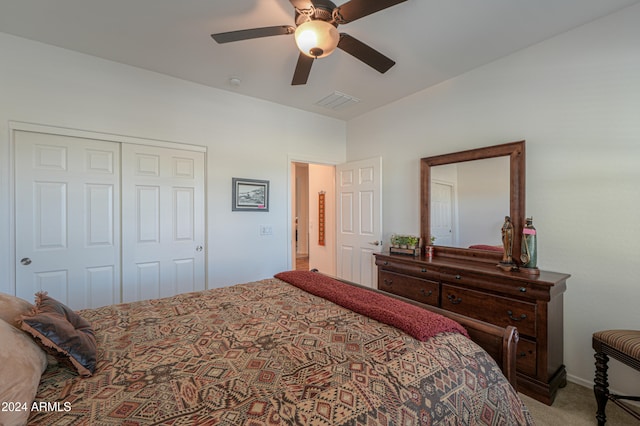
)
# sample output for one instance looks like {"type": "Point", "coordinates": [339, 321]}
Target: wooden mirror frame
{"type": "Point", "coordinates": [516, 153]}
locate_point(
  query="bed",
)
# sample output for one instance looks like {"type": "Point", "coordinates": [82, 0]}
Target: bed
{"type": "Point", "coordinates": [292, 349]}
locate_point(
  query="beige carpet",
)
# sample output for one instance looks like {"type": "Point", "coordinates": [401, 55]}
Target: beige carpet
{"type": "Point", "coordinates": [575, 405]}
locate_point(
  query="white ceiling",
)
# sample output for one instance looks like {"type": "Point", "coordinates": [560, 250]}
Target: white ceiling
{"type": "Point", "coordinates": [431, 41]}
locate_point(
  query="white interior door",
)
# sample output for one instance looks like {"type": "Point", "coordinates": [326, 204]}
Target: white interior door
{"type": "Point", "coordinates": [442, 213]}
{"type": "Point", "coordinates": [359, 219]}
{"type": "Point", "coordinates": [163, 230]}
{"type": "Point", "coordinates": [67, 218]}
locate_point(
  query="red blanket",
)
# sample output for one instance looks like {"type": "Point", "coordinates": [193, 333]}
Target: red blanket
{"type": "Point", "coordinates": [413, 320]}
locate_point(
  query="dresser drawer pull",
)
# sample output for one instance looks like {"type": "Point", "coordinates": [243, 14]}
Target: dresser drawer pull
{"type": "Point", "coordinates": [423, 270]}
{"type": "Point", "coordinates": [426, 293]}
{"type": "Point", "coordinates": [454, 301]}
{"type": "Point", "coordinates": [522, 289]}
{"type": "Point", "coordinates": [388, 282]}
{"type": "Point", "coordinates": [458, 277]}
{"type": "Point", "coordinates": [385, 263]}
{"type": "Point", "coordinates": [522, 355]}
{"type": "Point", "coordinates": [512, 318]}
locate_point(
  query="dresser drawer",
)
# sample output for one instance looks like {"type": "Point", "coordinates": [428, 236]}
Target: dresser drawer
{"type": "Point", "coordinates": [526, 357]}
{"type": "Point", "coordinates": [416, 270]}
{"type": "Point", "coordinates": [494, 309]}
{"type": "Point", "coordinates": [423, 291]}
{"type": "Point", "coordinates": [482, 282]}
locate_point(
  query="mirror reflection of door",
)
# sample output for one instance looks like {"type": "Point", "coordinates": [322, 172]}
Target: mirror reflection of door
{"type": "Point", "coordinates": [442, 213]}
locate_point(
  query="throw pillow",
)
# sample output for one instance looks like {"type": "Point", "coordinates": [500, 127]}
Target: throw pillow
{"type": "Point", "coordinates": [22, 362]}
{"type": "Point", "coordinates": [57, 326]}
{"type": "Point", "coordinates": [11, 307]}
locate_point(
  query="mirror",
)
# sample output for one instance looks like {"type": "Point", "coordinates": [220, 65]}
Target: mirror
{"type": "Point", "coordinates": [469, 201]}
{"type": "Point", "coordinates": [465, 197]}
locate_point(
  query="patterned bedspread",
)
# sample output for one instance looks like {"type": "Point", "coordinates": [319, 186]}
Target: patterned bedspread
{"type": "Point", "coordinates": [270, 353]}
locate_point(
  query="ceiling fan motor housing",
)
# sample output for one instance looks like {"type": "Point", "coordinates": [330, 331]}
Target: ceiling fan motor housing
{"type": "Point", "coordinates": [321, 10]}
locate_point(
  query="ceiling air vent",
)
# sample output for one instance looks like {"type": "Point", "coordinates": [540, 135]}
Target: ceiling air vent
{"type": "Point", "coordinates": [337, 101]}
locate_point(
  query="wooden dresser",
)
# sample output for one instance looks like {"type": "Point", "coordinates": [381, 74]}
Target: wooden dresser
{"type": "Point", "coordinates": [532, 303]}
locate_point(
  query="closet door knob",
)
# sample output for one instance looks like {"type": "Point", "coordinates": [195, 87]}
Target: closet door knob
{"type": "Point", "coordinates": [25, 261]}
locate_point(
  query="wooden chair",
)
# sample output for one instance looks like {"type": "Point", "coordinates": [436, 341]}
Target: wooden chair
{"type": "Point", "coordinates": [623, 345]}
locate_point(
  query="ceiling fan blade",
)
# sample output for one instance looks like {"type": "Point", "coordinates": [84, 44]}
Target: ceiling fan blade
{"type": "Point", "coordinates": [366, 54]}
{"type": "Point", "coordinates": [356, 9]}
{"type": "Point", "coordinates": [303, 68]}
{"type": "Point", "coordinates": [253, 33]}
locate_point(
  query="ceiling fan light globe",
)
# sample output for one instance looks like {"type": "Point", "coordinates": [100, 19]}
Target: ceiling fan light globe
{"type": "Point", "coordinates": [317, 39]}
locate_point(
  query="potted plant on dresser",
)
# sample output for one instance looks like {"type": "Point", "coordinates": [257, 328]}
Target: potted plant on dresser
{"type": "Point", "coordinates": [405, 244]}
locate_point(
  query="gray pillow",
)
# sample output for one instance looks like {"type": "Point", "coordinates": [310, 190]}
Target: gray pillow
{"type": "Point", "coordinates": [57, 326]}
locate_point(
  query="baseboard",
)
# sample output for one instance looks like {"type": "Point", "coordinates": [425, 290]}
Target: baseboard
{"type": "Point", "coordinates": [580, 381]}
{"type": "Point", "coordinates": [589, 384]}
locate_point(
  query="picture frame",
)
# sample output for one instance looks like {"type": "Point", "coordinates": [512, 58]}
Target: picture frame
{"type": "Point", "coordinates": [250, 195]}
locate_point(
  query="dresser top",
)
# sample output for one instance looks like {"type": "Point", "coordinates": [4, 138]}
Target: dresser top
{"type": "Point", "coordinates": [473, 266]}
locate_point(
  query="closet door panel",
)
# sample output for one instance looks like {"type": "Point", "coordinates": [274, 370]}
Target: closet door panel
{"type": "Point", "coordinates": [163, 222]}
{"type": "Point", "coordinates": [67, 218]}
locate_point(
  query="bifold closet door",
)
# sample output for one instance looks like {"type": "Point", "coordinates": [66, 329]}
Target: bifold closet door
{"type": "Point", "coordinates": [67, 218]}
{"type": "Point", "coordinates": [162, 222]}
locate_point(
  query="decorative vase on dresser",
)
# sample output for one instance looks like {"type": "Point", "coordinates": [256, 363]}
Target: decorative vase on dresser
{"type": "Point", "coordinates": [531, 303]}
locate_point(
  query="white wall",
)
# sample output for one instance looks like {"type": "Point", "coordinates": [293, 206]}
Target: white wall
{"type": "Point", "coordinates": [245, 137]}
{"type": "Point", "coordinates": [575, 99]}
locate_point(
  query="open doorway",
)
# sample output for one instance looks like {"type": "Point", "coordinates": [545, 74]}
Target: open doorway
{"type": "Point", "coordinates": [313, 217]}
{"type": "Point", "coordinates": [301, 216]}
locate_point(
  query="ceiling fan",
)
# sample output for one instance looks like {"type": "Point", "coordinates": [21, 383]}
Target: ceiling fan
{"type": "Point", "coordinates": [317, 36]}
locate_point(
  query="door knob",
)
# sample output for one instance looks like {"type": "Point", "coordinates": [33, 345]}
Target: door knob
{"type": "Point", "coordinates": [25, 261]}
{"type": "Point", "coordinates": [375, 243]}
{"type": "Point", "coordinates": [199, 248]}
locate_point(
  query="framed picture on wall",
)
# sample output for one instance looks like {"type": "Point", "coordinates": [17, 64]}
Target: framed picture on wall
{"type": "Point", "coordinates": [250, 195]}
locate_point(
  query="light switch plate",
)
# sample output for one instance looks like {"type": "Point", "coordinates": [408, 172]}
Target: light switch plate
{"type": "Point", "coordinates": [266, 230]}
